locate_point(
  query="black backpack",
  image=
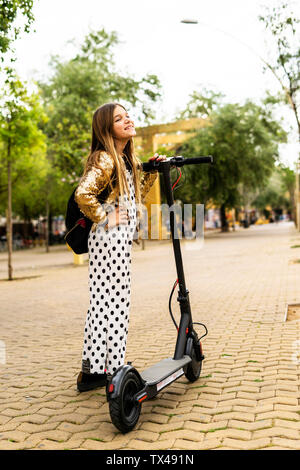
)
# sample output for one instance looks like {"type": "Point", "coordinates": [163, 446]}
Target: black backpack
{"type": "Point", "coordinates": [78, 226]}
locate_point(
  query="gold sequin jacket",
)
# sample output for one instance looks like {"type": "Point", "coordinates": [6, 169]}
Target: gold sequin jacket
{"type": "Point", "coordinates": [94, 181]}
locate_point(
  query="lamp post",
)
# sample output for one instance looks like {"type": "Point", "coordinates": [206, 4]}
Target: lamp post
{"type": "Point", "coordinates": [286, 91]}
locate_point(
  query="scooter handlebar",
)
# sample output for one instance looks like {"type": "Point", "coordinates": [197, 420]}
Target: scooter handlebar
{"type": "Point", "coordinates": [176, 161]}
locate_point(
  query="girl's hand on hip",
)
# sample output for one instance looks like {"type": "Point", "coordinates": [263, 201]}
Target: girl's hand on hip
{"type": "Point", "coordinates": [119, 216]}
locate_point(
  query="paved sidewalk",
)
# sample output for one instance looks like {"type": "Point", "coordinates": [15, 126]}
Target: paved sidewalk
{"type": "Point", "coordinates": [248, 394]}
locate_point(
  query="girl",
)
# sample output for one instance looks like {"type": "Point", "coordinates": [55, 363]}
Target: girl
{"type": "Point", "coordinates": [111, 169]}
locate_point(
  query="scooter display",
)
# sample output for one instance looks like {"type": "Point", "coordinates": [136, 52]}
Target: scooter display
{"type": "Point", "coordinates": [128, 389]}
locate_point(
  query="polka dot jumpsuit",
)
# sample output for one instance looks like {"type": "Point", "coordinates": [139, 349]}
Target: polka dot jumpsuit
{"type": "Point", "coordinates": [106, 325]}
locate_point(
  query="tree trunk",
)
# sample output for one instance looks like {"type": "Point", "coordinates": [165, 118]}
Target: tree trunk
{"type": "Point", "coordinates": [233, 219]}
{"type": "Point", "coordinates": [47, 227]}
{"type": "Point", "coordinates": [27, 222]}
{"type": "Point", "coordinates": [224, 223]}
{"type": "Point", "coordinates": [50, 220]}
{"type": "Point", "coordinates": [9, 227]}
{"type": "Point", "coordinates": [297, 197]}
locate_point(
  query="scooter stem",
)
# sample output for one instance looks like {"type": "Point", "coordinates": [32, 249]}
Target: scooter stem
{"type": "Point", "coordinates": [183, 296]}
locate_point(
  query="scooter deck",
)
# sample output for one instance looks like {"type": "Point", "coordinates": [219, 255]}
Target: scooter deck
{"type": "Point", "coordinates": [163, 369]}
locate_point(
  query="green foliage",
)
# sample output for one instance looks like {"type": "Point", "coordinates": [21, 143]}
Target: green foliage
{"type": "Point", "coordinates": [22, 143]}
{"type": "Point", "coordinates": [243, 140]}
{"type": "Point", "coordinates": [201, 104]}
{"type": "Point", "coordinates": [76, 89]}
{"type": "Point", "coordinates": [279, 190]}
{"type": "Point", "coordinates": [20, 116]}
{"type": "Point", "coordinates": [28, 200]}
{"type": "Point", "coordinates": [9, 10]}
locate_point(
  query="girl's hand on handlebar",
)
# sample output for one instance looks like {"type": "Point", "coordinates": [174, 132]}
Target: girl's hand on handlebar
{"type": "Point", "coordinates": [157, 157]}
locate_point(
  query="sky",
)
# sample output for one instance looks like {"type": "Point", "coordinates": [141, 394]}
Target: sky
{"type": "Point", "coordinates": [223, 52]}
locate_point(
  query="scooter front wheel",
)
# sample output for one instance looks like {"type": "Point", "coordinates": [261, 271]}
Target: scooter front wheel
{"type": "Point", "coordinates": [124, 410]}
{"type": "Point", "coordinates": [193, 369]}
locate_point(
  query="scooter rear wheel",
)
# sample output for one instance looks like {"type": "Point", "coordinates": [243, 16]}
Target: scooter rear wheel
{"type": "Point", "coordinates": [124, 411]}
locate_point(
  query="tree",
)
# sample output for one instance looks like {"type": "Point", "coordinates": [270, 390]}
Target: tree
{"type": "Point", "coordinates": [201, 104]}
{"type": "Point", "coordinates": [279, 191]}
{"type": "Point", "coordinates": [288, 185]}
{"type": "Point", "coordinates": [282, 24]}
{"type": "Point", "coordinates": [9, 31]}
{"type": "Point", "coordinates": [243, 140]}
{"type": "Point", "coordinates": [20, 137]}
{"type": "Point", "coordinates": [77, 87]}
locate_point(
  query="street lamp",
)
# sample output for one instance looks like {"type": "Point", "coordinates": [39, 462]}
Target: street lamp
{"type": "Point", "coordinates": [189, 21]}
{"type": "Point", "coordinates": [193, 21]}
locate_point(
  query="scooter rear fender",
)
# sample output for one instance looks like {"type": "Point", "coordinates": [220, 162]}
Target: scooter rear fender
{"type": "Point", "coordinates": [115, 383]}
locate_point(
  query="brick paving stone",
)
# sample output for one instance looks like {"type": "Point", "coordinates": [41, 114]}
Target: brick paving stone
{"type": "Point", "coordinates": [284, 423]}
{"type": "Point", "coordinates": [189, 445]}
{"type": "Point", "coordinates": [16, 435]}
{"type": "Point", "coordinates": [271, 447]}
{"type": "Point", "coordinates": [243, 402]}
{"type": "Point", "coordinates": [288, 443]}
{"type": "Point", "coordinates": [223, 448]}
{"type": "Point", "coordinates": [197, 417]}
{"type": "Point", "coordinates": [252, 426]}
{"type": "Point", "coordinates": [252, 444]}
{"type": "Point", "coordinates": [278, 414]}
{"type": "Point", "coordinates": [283, 407]}
{"type": "Point", "coordinates": [32, 428]}
{"type": "Point", "coordinates": [4, 420]}
{"type": "Point", "coordinates": [147, 436]}
{"type": "Point", "coordinates": [76, 428]}
{"type": "Point", "coordinates": [74, 417]}
{"type": "Point", "coordinates": [282, 401]}
{"type": "Point", "coordinates": [277, 432]}
{"type": "Point", "coordinates": [228, 433]}
{"type": "Point", "coordinates": [159, 445]}
{"type": "Point", "coordinates": [220, 408]}
{"type": "Point", "coordinates": [105, 436]}
{"type": "Point", "coordinates": [203, 403]}
{"type": "Point", "coordinates": [47, 444]}
{"type": "Point", "coordinates": [155, 418]}
{"type": "Point", "coordinates": [287, 393]}
{"type": "Point", "coordinates": [262, 408]}
{"type": "Point", "coordinates": [170, 404]}
{"type": "Point", "coordinates": [99, 419]}
{"type": "Point", "coordinates": [53, 435]}
{"type": "Point", "coordinates": [9, 426]}
{"type": "Point", "coordinates": [235, 415]}
{"type": "Point", "coordinates": [88, 411]}
{"type": "Point", "coordinates": [50, 412]}
{"type": "Point", "coordinates": [91, 444]}
{"type": "Point", "coordinates": [194, 426]}
{"type": "Point", "coordinates": [8, 445]}
{"type": "Point", "coordinates": [13, 408]}
{"type": "Point", "coordinates": [183, 434]}
{"type": "Point", "coordinates": [161, 428]}
{"type": "Point", "coordinates": [29, 418]}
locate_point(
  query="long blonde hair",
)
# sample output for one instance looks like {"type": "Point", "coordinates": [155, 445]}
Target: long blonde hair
{"type": "Point", "coordinates": [102, 140]}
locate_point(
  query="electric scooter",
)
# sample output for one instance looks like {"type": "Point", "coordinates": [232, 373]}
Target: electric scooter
{"type": "Point", "coordinates": [128, 389]}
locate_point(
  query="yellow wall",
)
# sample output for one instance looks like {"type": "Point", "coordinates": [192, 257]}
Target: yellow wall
{"type": "Point", "coordinates": [149, 139]}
